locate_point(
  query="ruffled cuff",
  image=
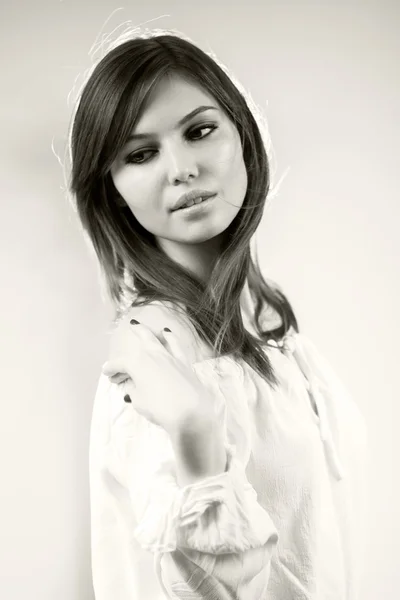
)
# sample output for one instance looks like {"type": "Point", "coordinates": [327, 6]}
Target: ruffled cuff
{"type": "Point", "coordinates": [217, 515]}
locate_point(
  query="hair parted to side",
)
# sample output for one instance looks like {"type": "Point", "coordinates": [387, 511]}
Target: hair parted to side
{"type": "Point", "coordinates": [129, 261]}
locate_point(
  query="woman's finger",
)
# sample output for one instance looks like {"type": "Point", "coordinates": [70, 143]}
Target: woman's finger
{"type": "Point", "coordinates": [175, 346]}
{"type": "Point", "coordinates": [123, 347]}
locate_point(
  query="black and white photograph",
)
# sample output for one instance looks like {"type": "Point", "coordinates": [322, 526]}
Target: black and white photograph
{"type": "Point", "coordinates": [200, 323]}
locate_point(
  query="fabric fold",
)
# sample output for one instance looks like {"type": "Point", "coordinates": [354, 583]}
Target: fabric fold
{"type": "Point", "coordinates": [318, 390]}
{"type": "Point", "coordinates": [218, 515]}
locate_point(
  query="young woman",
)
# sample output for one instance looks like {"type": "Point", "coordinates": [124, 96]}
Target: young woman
{"type": "Point", "coordinates": [226, 457]}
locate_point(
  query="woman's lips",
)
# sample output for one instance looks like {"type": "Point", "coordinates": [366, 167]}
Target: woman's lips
{"type": "Point", "coordinates": [194, 208]}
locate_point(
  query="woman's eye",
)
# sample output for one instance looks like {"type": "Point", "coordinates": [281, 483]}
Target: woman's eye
{"type": "Point", "coordinates": [134, 158]}
{"type": "Point", "coordinates": [212, 127]}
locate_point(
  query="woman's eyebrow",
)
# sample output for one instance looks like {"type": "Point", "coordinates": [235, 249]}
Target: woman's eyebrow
{"type": "Point", "coordinates": [193, 113]}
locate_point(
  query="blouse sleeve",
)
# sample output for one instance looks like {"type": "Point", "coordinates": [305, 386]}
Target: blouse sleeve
{"type": "Point", "coordinates": [211, 536]}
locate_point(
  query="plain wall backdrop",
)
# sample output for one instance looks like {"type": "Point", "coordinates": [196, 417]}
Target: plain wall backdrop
{"type": "Point", "coordinates": [325, 75]}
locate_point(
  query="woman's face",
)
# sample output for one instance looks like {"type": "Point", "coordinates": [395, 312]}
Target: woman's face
{"type": "Point", "coordinates": [169, 159]}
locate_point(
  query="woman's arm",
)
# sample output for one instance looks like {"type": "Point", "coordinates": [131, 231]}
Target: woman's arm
{"type": "Point", "coordinates": [199, 449]}
{"type": "Point", "coordinates": [211, 535]}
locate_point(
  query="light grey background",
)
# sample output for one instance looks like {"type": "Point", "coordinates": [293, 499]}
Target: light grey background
{"type": "Point", "coordinates": [326, 75]}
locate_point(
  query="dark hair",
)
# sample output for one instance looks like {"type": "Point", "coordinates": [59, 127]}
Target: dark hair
{"type": "Point", "coordinates": [108, 108]}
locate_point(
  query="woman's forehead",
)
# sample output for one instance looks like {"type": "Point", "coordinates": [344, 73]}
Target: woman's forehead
{"type": "Point", "coordinates": [173, 100]}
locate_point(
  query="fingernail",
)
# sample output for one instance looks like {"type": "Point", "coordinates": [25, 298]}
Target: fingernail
{"type": "Point", "coordinates": [127, 398]}
{"type": "Point", "coordinates": [134, 322]}
{"type": "Point", "coordinates": [166, 329]}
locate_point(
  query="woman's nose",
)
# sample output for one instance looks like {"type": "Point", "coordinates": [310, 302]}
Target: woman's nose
{"type": "Point", "coordinates": [181, 165]}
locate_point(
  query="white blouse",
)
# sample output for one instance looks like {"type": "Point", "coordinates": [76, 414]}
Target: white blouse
{"type": "Point", "coordinates": [286, 521]}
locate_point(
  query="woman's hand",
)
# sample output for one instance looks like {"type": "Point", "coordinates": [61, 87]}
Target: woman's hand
{"type": "Point", "coordinates": [157, 376]}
